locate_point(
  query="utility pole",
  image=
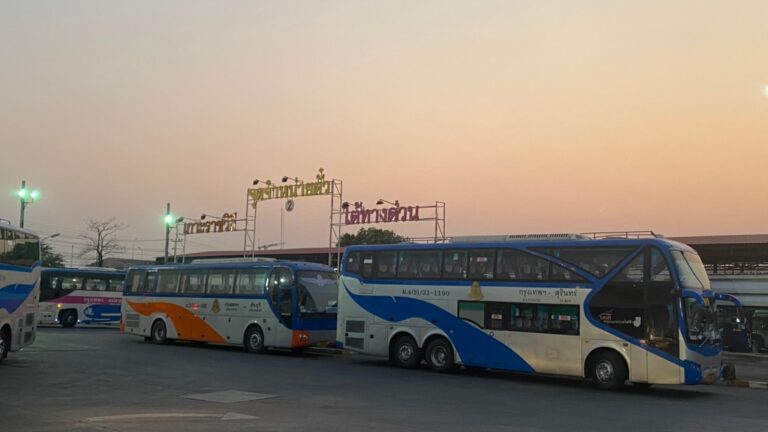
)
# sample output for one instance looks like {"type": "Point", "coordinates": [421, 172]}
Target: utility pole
{"type": "Point", "coordinates": [168, 220]}
{"type": "Point", "coordinates": [23, 201]}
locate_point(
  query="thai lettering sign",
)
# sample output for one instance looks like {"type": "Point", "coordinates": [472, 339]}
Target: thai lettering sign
{"type": "Point", "coordinates": [226, 223]}
{"type": "Point", "coordinates": [320, 186]}
{"type": "Point", "coordinates": [360, 215]}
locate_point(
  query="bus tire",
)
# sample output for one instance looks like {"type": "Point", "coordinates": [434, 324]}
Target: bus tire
{"type": "Point", "coordinates": [607, 370]}
{"type": "Point", "coordinates": [404, 352]}
{"type": "Point", "coordinates": [758, 345]}
{"type": "Point", "coordinates": [439, 355]}
{"type": "Point", "coordinates": [5, 343]}
{"type": "Point", "coordinates": [159, 333]}
{"type": "Point", "coordinates": [68, 318]}
{"type": "Point", "coordinates": [253, 341]}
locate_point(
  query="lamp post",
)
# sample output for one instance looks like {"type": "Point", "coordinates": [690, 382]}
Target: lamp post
{"type": "Point", "coordinates": [383, 201]}
{"type": "Point", "coordinates": [26, 198]}
{"type": "Point", "coordinates": [168, 222]}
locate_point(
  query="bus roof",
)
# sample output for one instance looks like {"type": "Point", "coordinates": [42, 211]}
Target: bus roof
{"type": "Point", "coordinates": [525, 243]}
{"type": "Point", "coordinates": [91, 270]}
{"type": "Point", "coordinates": [238, 264]}
{"type": "Point", "coordinates": [5, 224]}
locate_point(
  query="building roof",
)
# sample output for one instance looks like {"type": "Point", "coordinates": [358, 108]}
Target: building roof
{"type": "Point", "coordinates": [738, 239]}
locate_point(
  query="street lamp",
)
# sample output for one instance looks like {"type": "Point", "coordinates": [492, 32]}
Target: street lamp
{"type": "Point", "coordinates": [205, 215]}
{"type": "Point", "coordinates": [382, 201]}
{"type": "Point", "coordinates": [26, 197]}
{"type": "Point", "coordinates": [294, 179]}
{"type": "Point", "coordinates": [266, 182]}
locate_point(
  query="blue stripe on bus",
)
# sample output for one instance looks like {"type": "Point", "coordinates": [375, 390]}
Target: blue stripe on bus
{"type": "Point", "coordinates": [475, 347]}
{"type": "Point", "coordinates": [13, 296]}
{"type": "Point", "coordinates": [20, 269]}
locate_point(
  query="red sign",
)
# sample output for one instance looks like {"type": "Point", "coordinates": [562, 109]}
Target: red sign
{"type": "Point", "coordinates": [361, 215]}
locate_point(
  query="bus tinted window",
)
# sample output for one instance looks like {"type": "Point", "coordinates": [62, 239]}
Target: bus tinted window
{"type": "Point", "coordinates": [455, 264]}
{"type": "Point", "coordinates": [353, 262]}
{"type": "Point", "coordinates": [385, 264]}
{"type": "Point", "coordinates": [659, 268]}
{"type": "Point", "coordinates": [523, 317]}
{"type": "Point", "coordinates": [318, 292]}
{"type": "Point", "coordinates": [634, 271]}
{"type": "Point", "coordinates": [116, 285]}
{"type": "Point", "coordinates": [596, 260]}
{"type": "Point", "coordinates": [481, 264]}
{"type": "Point", "coordinates": [366, 264]}
{"type": "Point", "coordinates": [193, 283]}
{"type": "Point", "coordinates": [149, 285]}
{"type": "Point", "coordinates": [251, 282]}
{"type": "Point", "coordinates": [134, 278]}
{"type": "Point", "coordinates": [473, 312]}
{"type": "Point", "coordinates": [95, 284]}
{"type": "Point", "coordinates": [221, 282]}
{"type": "Point", "coordinates": [518, 265]}
{"type": "Point", "coordinates": [167, 281]}
{"type": "Point", "coordinates": [19, 249]}
{"type": "Point", "coordinates": [419, 265]}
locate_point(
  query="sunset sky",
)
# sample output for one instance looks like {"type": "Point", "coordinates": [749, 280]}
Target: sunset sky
{"type": "Point", "coordinates": [523, 116]}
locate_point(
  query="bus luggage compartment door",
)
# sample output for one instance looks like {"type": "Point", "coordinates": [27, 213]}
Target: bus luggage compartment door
{"type": "Point", "coordinates": [638, 368]}
{"type": "Point", "coordinates": [354, 334]}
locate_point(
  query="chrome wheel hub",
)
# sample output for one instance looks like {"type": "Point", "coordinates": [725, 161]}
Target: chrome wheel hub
{"type": "Point", "coordinates": [604, 371]}
{"type": "Point", "coordinates": [255, 340]}
{"type": "Point", "coordinates": [405, 352]}
{"type": "Point", "coordinates": [439, 356]}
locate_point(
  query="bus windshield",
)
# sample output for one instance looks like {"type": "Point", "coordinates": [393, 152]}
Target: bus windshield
{"type": "Point", "coordinates": [318, 292]}
{"type": "Point", "coordinates": [691, 271]}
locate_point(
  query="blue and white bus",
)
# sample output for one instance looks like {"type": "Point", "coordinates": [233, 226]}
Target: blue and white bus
{"type": "Point", "coordinates": [255, 303]}
{"type": "Point", "coordinates": [85, 296]}
{"type": "Point", "coordinates": [609, 310]}
{"type": "Point", "coordinates": [19, 287]}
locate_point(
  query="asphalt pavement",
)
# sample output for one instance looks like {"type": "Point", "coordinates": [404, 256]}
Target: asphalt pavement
{"type": "Point", "coordinates": [100, 380]}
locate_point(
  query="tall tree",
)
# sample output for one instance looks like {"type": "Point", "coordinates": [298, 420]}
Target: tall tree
{"type": "Point", "coordinates": [371, 236]}
{"type": "Point", "coordinates": [100, 239]}
{"type": "Point", "coordinates": [50, 258]}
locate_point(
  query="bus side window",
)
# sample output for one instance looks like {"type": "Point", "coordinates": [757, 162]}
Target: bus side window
{"type": "Point", "coordinates": [366, 264]}
{"type": "Point", "coordinates": [455, 265]}
{"type": "Point", "coordinates": [385, 264]}
{"type": "Point", "coordinates": [353, 263]}
{"type": "Point", "coordinates": [481, 263]}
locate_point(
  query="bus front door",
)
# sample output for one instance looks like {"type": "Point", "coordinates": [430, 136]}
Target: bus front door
{"type": "Point", "coordinates": [281, 295]}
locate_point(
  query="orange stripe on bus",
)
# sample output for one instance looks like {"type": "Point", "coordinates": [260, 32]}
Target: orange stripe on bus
{"type": "Point", "coordinates": [188, 325]}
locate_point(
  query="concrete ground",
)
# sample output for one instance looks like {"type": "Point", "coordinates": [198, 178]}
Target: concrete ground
{"type": "Point", "coordinates": [100, 380]}
{"type": "Point", "coordinates": [749, 367]}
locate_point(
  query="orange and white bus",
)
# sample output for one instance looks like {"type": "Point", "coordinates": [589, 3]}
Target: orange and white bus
{"type": "Point", "coordinates": [254, 303]}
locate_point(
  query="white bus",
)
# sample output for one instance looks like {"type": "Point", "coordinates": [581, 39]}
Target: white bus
{"type": "Point", "coordinates": [19, 287]}
{"type": "Point", "coordinates": [609, 310]}
{"type": "Point", "coordinates": [254, 303]}
{"type": "Point", "coordinates": [86, 296]}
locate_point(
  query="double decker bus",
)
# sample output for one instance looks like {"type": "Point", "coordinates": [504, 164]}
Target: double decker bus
{"type": "Point", "coordinates": [255, 303]}
{"type": "Point", "coordinates": [609, 310]}
{"type": "Point", "coordinates": [19, 287]}
{"type": "Point", "coordinates": [85, 296]}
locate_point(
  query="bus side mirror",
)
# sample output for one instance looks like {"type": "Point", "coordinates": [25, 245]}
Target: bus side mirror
{"type": "Point", "coordinates": [690, 294]}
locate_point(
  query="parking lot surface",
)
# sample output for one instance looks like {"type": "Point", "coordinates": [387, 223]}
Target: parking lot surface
{"type": "Point", "coordinates": [101, 380]}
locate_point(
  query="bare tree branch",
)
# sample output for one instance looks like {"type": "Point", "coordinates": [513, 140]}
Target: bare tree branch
{"type": "Point", "coordinates": [100, 240]}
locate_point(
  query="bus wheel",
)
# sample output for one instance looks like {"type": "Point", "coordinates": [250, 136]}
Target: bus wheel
{"type": "Point", "coordinates": [439, 355]}
{"type": "Point", "coordinates": [159, 332]}
{"type": "Point", "coordinates": [404, 352]}
{"type": "Point", "coordinates": [254, 340]}
{"type": "Point", "coordinates": [608, 371]}
{"type": "Point", "coordinates": [68, 319]}
{"type": "Point", "coordinates": [5, 343]}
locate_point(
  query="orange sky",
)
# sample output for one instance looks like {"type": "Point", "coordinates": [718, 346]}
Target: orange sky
{"type": "Point", "coordinates": [541, 116]}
